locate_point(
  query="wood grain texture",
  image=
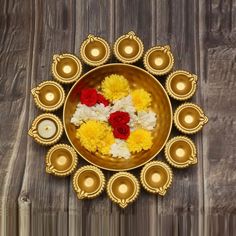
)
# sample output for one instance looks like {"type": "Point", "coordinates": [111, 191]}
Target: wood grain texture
{"type": "Point", "coordinates": [202, 35]}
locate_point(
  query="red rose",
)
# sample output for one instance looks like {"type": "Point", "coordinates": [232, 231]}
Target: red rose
{"type": "Point", "coordinates": [122, 131]}
{"type": "Point", "coordinates": [102, 100]}
{"type": "Point", "coordinates": [89, 97]}
{"type": "Point", "coordinates": [118, 118]}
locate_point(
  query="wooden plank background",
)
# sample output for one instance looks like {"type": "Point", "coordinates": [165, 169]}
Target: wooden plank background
{"type": "Point", "coordinates": [202, 35]}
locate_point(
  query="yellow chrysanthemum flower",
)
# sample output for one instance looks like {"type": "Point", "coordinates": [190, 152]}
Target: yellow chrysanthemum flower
{"type": "Point", "coordinates": [115, 87]}
{"type": "Point", "coordinates": [140, 139]}
{"type": "Point", "coordinates": [104, 144]}
{"type": "Point", "coordinates": [95, 135]}
{"type": "Point", "coordinates": [141, 99]}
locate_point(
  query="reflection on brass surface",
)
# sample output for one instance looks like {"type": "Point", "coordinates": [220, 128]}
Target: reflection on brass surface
{"type": "Point", "coordinates": [66, 68]}
{"type": "Point", "coordinates": [48, 96]}
{"type": "Point", "coordinates": [180, 152]}
{"type": "Point", "coordinates": [181, 85]}
{"type": "Point", "coordinates": [159, 60]}
{"type": "Point", "coordinates": [95, 51]}
{"type": "Point", "coordinates": [88, 182]}
{"type": "Point", "coordinates": [46, 129]}
{"type": "Point", "coordinates": [156, 177]}
{"type": "Point", "coordinates": [123, 188]}
{"type": "Point", "coordinates": [138, 78]}
{"type": "Point", "coordinates": [128, 48]}
{"type": "Point", "coordinates": [61, 160]}
{"type": "Point", "coordinates": [189, 118]}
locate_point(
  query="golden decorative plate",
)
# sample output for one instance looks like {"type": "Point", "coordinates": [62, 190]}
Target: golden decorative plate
{"type": "Point", "coordinates": [156, 176]}
{"type": "Point", "coordinates": [138, 78]}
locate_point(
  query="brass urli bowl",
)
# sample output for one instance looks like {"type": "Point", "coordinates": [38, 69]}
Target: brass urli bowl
{"type": "Point", "coordinates": [138, 78]}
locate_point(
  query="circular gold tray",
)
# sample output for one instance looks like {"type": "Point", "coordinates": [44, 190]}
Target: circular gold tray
{"type": "Point", "coordinates": [137, 78]}
{"type": "Point", "coordinates": [156, 176]}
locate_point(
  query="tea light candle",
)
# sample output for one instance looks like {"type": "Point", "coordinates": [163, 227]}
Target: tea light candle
{"type": "Point", "coordinates": [47, 128]}
{"type": "Point", "coordinates": [67, 69]}
{"type": "Point", "coordinates": [49, 96]}
{"type": "Point", "coordinates": [123, 188]}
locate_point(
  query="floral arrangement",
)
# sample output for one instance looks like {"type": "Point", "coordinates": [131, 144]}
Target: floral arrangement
{"type": "Point", "coordinates": [114, 119]}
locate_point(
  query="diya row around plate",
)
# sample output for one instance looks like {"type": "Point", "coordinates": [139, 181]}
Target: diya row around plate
{"type": "Point", "coordinates": [89, 181]}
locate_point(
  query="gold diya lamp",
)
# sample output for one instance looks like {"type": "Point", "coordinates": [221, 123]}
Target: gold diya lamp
{"type": "Point", "coordinates": [95, 51]}
{"type": "Point", "coordinates": [128, 48]}
{"type": "Point", "coordinates": [189, 118]}
{"type": "Point", "coordinates": [88, 182]}
{"type": "Point", "coordinates": [159, 60]}
{"type": "Point", "coordinates": [156, 177]}
{"type": "Point", "coordinates": [181, 152]}
{"type": "Point", "coordinates": [66, 68]}
{"type": "Point", "coordinates": [48, 96]}
{"type": "Point", "coordinates": [61, 160]}
{"type": "Point", "coordinates": [123, 188]}
{"type": "Point", "coordinates": [46, 129]}
{"type": "Point", "coordinates": [181, 85]}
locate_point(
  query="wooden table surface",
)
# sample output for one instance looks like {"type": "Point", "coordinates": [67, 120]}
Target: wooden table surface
{"type": "Point", "coordinates": [202, 36]}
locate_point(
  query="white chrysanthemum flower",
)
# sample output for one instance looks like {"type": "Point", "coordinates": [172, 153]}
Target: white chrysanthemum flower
{"type": "Point", "coordinates": [125, 104]}
{"type": "Point", "coordinates": [147, 120]}
{"type": "Point", "coordinates": [83, 113]}
{"type": "Point", "coordinates": [120, 149]}
{"type": "Point", "coordinates": [133, 120]}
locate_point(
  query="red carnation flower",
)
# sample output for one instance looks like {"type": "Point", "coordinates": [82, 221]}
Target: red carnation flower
{"type": "Point", "coordinates": [122, 131]}
{"type": "Point", "coordinates": [102, 100]}
{"type": "Point", "coordinates": [118, 118]}
{"type": "Point", "coordinates": [89, 97]}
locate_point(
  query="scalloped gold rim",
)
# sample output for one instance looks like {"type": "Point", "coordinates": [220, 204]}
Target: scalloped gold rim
{"type": "Point", "coordinates": [159, 72]}
{"type": "Point", "coordinates": [178, 96]}
{"type": "Point", "coordinates": [61, 79]}
{"type": "Point", "coordinates": [54, 171]}
{"type": "Point", "coordinates": [198, 127]}
{"type": "Point", "coordinates": [91, 62]}
{"type": "Point", "coordinates": [80, 193]}
{"type": "Point", "coordinates": [188, 162]}
{"type": "Point", "coordinates": [40, 105]}
{"type": "Point", "coordinates": [162, 190]}
{"type": "Point", "coordinates": [34, 133]}
{"type": "Point", "coordinates": [136, 57]}
{"type": "Point", "coordinates": [123, 202]}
